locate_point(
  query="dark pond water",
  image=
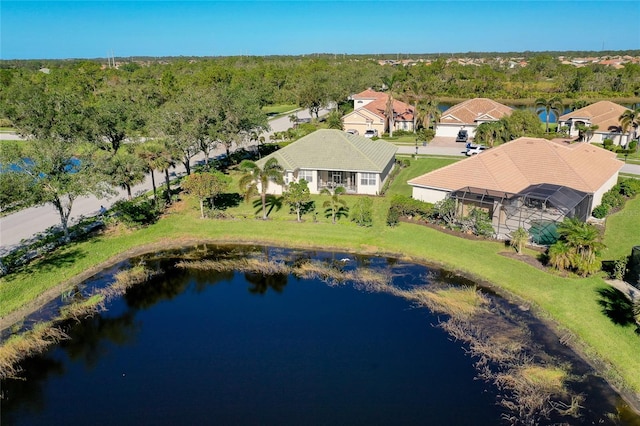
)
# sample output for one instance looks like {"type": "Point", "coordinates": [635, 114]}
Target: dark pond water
{"type": "Point", "coordinates": [246, 349]}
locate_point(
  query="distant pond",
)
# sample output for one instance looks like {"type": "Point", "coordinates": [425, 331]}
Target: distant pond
{"type": "Point", "coordinates": [287, 337]}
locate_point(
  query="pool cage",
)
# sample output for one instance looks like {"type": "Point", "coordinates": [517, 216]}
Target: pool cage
{"type": "Point", "coordinates": [537, 208]}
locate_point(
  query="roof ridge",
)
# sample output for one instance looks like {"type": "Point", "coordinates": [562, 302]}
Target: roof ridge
{"type": "Point", "coordinates": [357, 148]}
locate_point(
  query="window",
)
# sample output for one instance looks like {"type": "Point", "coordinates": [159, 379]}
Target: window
{"type": "Point", "coordinates": [367, 178]}
{"type": "Point", "coordinates": [306, 175]}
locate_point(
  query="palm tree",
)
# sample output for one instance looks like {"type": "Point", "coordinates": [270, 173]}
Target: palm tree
{"type": "Point", "coordinates": [489, 133]}
{"type": "Point", "coordinates": [583, 241]}
{"type": "Point", "coordinates": [560, 255]}
{"type": "Point", "coordinates": [389, 83]}
{"type": "Point", "coordinates": [336, 207]}
{"type": "Point", "coordinates": [254, 176]}
{"type": "Point", "coordinates": [630, 119]}
{"type": "Point", "coordinates": [168, 153]}
{"type": "Point", "coordinates": [518, 239]}
{"type": "Point", "coordinates": [125, 169]}
{"type": "Point", "coordinates": [150, 153]}
{"type": "Point", "coordinates": [427, 113]}
{"type": "Point", "coordinates": [553, 105]}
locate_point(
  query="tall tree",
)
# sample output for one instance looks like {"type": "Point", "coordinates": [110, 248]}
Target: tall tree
{"type": "Point", "coordinates": [150, 153]}
{"type": "Point", "coordinates": [297, 196]}
{"type": "Point", "coordinates": [256, 176]}
{"type": "Point", "coordinates": [115, 118]}
{"type": "Point", "coordinates": [205, 186]}
{"type": "Point", "coordinates": [629, 121]}
{"type": "Point", "coordinates": [59, 172]}
{"type": "Point", "coordinates": [124, 169]}
{"type": "Point", "coordinates": [549, 106]}
{"type": "Point", "coordinates": [389, 85]}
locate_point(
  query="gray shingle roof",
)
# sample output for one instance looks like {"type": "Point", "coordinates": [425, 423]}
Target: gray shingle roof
{"type": "Point", "coordinates": [328, 149]}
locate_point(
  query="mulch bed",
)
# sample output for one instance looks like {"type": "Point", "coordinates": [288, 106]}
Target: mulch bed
{"type": "Point", "coordinates": [528, 259]}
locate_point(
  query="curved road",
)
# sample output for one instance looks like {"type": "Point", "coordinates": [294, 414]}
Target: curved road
{"type": "Point", "coordinates": [25, 224]}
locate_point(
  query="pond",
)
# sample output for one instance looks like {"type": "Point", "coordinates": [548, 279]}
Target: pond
{"type": "Point", "coordinates": [216, 346]}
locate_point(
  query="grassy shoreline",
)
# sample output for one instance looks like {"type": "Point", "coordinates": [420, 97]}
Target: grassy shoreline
{"type": "Point", "coordinates": [571, 303]}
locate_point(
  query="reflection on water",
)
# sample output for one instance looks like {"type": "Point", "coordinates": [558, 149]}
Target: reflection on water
{"type": "Point", "coordinates": [244, 348]}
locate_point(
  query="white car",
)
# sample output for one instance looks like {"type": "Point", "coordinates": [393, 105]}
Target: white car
{"type": "Point", "coordinates": [371, 133]}
{"type": "Point", "coordinates": [474, 149]}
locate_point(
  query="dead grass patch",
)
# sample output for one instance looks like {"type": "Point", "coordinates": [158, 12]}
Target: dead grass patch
{"type": "Point", "coordinates": [18, 347]}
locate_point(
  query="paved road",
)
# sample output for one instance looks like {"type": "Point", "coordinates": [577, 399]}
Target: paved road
{"type": "Point", "coordinates": [25, 224]}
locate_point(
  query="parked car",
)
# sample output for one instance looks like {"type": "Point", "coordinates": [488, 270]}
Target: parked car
{"type": "Point", "coordinates": [463, 136]}
{"type": "Point", "coordinates": [474, 149]}
{"type": "Point", "coordinates": [371, 133]}
{"type": "Point", "coordinates": [352, 131]}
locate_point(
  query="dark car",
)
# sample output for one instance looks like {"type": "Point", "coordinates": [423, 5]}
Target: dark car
{"type": "Point", "coordinates": [463, 136]}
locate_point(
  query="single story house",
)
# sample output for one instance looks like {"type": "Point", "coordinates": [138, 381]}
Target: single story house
{"type": "Point", "coordinates": [369, 113]}
{"type": "Point", "coordinates": [328, 158]}
{"type": "Point", "coordinates": [468, 115]}
{"type": "Point", "coordinates": [528, 182]}
{"type": "Point", "coordinates": [604, 114]}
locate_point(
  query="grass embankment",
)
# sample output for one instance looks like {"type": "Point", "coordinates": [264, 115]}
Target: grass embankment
{"type": "Point", "coordinates": [623, 230]}
{"type": "Point", "coordinates": [571, 302]}
{"type": "Point", "coordinates": [279, 109]}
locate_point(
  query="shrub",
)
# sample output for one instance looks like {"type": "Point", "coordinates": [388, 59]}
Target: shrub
{"type": "Point", "coordinates": [607, 143]}
{"type": "Point", "coordinates": [633, 145]}
{"type": "Point", "coordinates": [613, 198]}
{"type": "Point", "coordinates": [135, 214]}
{"type": "Point", "coordinates": [407, 206]}
{"type": "Point", "coordinates": [601, 211]}
{"type": "Point", "coordinates": [629, 187]}
{"type": "Point", "coordinates": [362, 212]}
{"type": "Point", "coordinates": [392, 216]}
{"type": "Point", "coordinates": [619, 268]}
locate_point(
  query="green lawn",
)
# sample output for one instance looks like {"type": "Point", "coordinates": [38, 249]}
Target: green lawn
{"type": "Point", "coordinates": [623, 231]}
{"type": "Point", "coordinates": [570, 302]}
{"type": "Point", "coordinates": [419, 166]}
{"type": "Point", "coordinates": [279, 109]}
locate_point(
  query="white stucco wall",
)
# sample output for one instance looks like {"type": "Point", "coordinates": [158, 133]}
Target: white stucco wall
{"type": "Point", "coordinates": [597, 196]}
{"type": "Point", "coordinates": [429, 195]}
{"type": "Point", "coordinates": [368, 189]}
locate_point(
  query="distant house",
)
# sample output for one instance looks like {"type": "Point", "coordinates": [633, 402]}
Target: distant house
{"type": "Point", "coordinates": [529, 182]}
{"type": "Point", "coordinates": [604, 114]}
{"type": "Point", "coordinates": [369, 113]}
{"type": "Point", "coordinates": [329, 158]}
{"type": "Point", "coordinates": [468, 115]}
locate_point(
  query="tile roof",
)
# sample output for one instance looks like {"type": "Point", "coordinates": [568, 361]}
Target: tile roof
{"type": "Point", "coordinates": [328, 149]}
{"type": "Point", "coordinates": [404, 112]}
{"type": "Point", "coordinates": [605, 114]}
{"type": "Point", "coordinates": [513, 166]}
{"type": "Point", "coordinates": [472, 110]}
{"type": "Point", "coordinates": [369, 94]}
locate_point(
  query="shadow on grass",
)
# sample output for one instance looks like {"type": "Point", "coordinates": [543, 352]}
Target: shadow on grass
{"type": "Point", "coordinates": [617, 307]}
{"type": "Point", "coordinates": [227, 201]}
{"type": "Point", "coordinates": [272, 202]}
{"type": "Point", "coordinates": [50, 262]}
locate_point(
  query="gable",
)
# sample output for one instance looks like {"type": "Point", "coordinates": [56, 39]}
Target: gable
{"type": "Point", "coordinates": [473, 110]}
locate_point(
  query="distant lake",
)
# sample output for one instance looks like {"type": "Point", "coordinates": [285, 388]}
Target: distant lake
{"type": "Point", "coordinates": [234, 348]}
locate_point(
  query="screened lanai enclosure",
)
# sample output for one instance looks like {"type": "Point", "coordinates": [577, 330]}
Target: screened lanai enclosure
{"type": "Point", "coordinates": [537, 208]}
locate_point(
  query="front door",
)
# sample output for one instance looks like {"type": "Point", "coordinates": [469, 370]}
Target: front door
{"type": "Point", "coordinates": [336, 178]}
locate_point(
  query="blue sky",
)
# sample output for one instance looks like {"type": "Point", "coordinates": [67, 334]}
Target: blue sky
{"type": "Point", "coordinates": [91, 29]}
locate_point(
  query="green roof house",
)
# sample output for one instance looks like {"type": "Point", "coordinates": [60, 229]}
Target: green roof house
{"type": "Point", "coordinates": [329, 158]}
